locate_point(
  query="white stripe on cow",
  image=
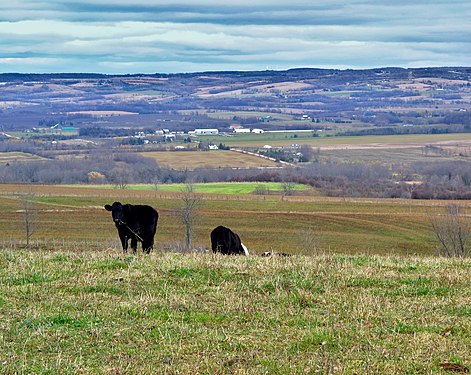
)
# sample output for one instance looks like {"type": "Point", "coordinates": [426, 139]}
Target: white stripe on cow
{"type": "Point", "coordinates": [246, 252]}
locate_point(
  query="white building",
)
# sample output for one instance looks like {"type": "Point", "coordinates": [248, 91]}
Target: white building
{"type": "Point", "coordinates": [241, 130]}
{"type": "Point", "coordinates": [206, 132]}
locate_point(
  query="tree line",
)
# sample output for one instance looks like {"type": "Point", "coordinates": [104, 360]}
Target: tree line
{"type": "Point", "coordinates": [421, 180]}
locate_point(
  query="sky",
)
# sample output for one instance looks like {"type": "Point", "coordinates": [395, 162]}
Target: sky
{"type": "Point", "coordinates": [139, 36]}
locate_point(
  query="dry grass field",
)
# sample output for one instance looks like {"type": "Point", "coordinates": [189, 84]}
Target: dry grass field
{"type": "Point", "coordinates": [8, 157]}
{"type": "Point", "coordinates": [208, 159]}
{"type": "Point", "coordinates": [298, 225]}
{"type": "Point", "coordinates": [391, 154]}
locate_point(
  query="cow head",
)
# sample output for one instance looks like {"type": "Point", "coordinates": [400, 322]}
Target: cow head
{"type": "Point", "coordinates": [117, 211]}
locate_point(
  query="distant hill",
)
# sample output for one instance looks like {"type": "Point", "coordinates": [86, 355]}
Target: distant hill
{"type": "Point", "coordinates": [296, 73]}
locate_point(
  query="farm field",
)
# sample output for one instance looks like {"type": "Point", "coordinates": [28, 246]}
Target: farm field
{"type": "Point", "coordinates": [75, 311]}
{"type": "Point", "coordinates": [304, 225]}
{"type": "Point", "coordinates": [8, 157]}
{"type": "Point", "coordinates": [383, 141]}
{"type": "Point", "coordinates": [208, 159]}
{"type": "Point", "coordinates": [248, 114]}
{"type": "Point", "coordinates": [391, 155]}
{"type": "Point", "coordinates": [209, 188]}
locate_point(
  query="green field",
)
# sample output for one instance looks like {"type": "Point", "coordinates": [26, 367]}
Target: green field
{"type": "Point", "coordinates": [209, 188]}
{"type": "Point", "coordinates": [77, 311]}
{"type": "Point", "coordinates": [283, 139]}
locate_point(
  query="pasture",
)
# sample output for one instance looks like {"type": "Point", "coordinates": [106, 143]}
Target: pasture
{"type": "Point", "coordinates": [75, 311]}
{"type": "Point", "coordinates": [288, 138]}
{"type": "Point", "coordinates": [304, 225]}
{"type": "Point", "coordinates": [363, 292]}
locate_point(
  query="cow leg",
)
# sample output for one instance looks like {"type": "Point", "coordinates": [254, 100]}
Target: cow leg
{"type": "Point", "coordinates": [124, 243]}
{"type": "Point", "coordinates": [134, 245]}
{"type": "Point", "coordinates": [147, 246]}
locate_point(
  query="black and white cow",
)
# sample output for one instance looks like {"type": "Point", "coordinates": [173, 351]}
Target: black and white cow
{"type": "Point", "coordinates": [135, 222]}
{"type": "Point", "coordinates": [225, 241]}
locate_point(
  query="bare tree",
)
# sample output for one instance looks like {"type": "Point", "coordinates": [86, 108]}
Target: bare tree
{"type": "Point", "coordinates": [188, 213]}
{"type": "Point", "coordinates": [29, 214]}
{"type": "Point", "coordinates": [309, 241]}
{"type": "Point", "coordinates": [261, 189]}
{"type": "Point", "coordinates": [452, 230]}
{"type": "Point", "coordinates": [156, 183]}
{"type": "Point", "coordinates": [120, 177]}
{"type": "Point", "coordinates": [288, 187]}
{"type": "Point", "coordinates": [307, 153]}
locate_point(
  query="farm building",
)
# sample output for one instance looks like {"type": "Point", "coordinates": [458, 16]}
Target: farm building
{"type": "Point", "coordinates": [241, 130]}
{"type": "Point", "coordinates": [206, 132]}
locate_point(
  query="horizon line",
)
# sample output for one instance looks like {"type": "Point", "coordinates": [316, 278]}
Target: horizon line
{"type": "Point", "coordinates": [237, 71]}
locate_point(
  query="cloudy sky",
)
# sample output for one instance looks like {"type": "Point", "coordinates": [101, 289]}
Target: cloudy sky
{"type": "Point", "coordinates": [144, 36]}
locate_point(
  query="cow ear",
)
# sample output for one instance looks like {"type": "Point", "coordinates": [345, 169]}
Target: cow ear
{"type": "Point", "coordinates": [108, 207]}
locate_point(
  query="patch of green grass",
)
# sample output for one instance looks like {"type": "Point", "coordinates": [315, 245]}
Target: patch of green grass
{"type": "Point", "coordinates": [208, 188]}
{"type": "Point", "coordinates": [461, 311]}
{"type": "Point", "coordinates": [113, 263]}
{"type": "Point", "coordinates": [32, 278]}
{"type": "Point", "coordinates": [61, 320]}
{"type": "Point", "coordinates": [314, 341]}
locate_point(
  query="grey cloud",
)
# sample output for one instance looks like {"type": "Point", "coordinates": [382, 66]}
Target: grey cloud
{"type": "Point", "coordinates": [151, 36]}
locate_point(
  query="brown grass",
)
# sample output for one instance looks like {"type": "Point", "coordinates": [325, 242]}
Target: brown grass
{"type": "Point", "coordinates": [208, 159]}
{"type": "Point", "coordinates": [356, 226]}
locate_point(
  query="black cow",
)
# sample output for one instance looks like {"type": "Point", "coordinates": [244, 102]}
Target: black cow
{"type": "Point", "coordinates": [225, 241]}
{"type": "Point", "coordinates": [135, 222]}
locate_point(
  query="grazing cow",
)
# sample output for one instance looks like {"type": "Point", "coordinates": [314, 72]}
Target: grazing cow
{"type": "Point", "coordinates": [225, 241]}
{"type": "Point", "coordinates": [135, 222]}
